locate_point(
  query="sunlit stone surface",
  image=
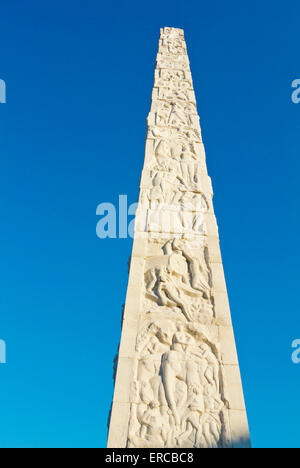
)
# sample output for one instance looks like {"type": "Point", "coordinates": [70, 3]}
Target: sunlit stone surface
{"type": "Point", "coordinates": [178, 381]}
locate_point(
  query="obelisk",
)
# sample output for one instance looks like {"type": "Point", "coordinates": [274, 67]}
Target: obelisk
{"type": "Point", "coordinates": [178, 381]}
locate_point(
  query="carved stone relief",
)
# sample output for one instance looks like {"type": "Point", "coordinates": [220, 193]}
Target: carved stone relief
{"type": "Point", "coordinates": [171, 33]}
{"type": "Point", "coordinates": [172, 79]}
{"type": "Point", "coordinates": [179, 62]}
{"type": "Point", "coordinates": [174, 114]}
{"type": "Point", "coordinates": [176, 156]}
{"type": "Point", "coordinates": [188, 136]}
{"type": "Point", "coordinates": [177, 393]}
{"type": "Point", "coordinates": [168, 192]}
{"type": "Point", "coordinates": [170, 48]}
{"type": "Point", "coordinates": [181, 93]}
{"type": "Point", "coordinates": [177, 41]}
{"type": "Point", "coordinates": [178, 284]}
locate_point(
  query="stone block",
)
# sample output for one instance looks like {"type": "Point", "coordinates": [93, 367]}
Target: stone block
{"type": "Point", "coordinates": [218, 278]}
{"type": "Point", "coordinates": [221, 308]}
{"type": "Point", "coordinates": [128, 339]}
{"type": "Point", "coordinates": [233, 387]}
{"type": "Point", "coordinates": [118, 428]}
{"type": "Point", "coordinates": [136, 276]}
{"type": "Point", "coordinates": [133, 302]}
{"type": "Point", "coordinates": [227, 346]}
{"type": "Point", "coordinates": [124, 379]}
{"type": "Point", "coordinates": [239, 429]}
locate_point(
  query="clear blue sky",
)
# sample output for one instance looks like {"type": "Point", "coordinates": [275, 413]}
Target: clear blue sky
{"type": "Point", "coordinates": [79, 76]}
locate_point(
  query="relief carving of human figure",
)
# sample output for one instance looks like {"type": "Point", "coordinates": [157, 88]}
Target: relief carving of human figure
{"type": "Point", "coordinates": [172, 94]}
{"type": "Point", "coordinates": [175, 79]}
{"type": "Point", "coordinates": [176, 154]}
{"type": "Point", "coordinates": [183, 283]}
{"type": "Point", "coordinates": [178, 406]}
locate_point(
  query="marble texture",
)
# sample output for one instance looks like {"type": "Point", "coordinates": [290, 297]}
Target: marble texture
{"type": "Point", "coordinates": [178, 382]}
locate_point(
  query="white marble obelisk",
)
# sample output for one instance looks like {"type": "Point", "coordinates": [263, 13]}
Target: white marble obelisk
{"type": "Point", "coordinates": [178, 381]}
